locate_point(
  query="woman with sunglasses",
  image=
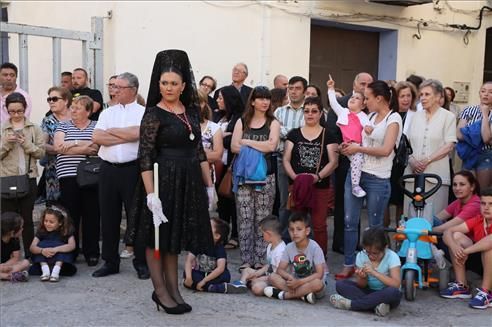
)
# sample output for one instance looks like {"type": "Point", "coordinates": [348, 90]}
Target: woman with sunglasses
{"type": "Point", "coordinates": [22, 144]}
{"type": "Point", "coordinates": [259, 130]}
{"type": "Point", "coordinates": [302, 157]}
{"type": "Point", "coordinates": [59, 99]}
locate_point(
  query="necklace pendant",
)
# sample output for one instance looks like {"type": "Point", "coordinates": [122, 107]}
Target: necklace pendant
{"type": "Point", "coordinates": [192, 136]}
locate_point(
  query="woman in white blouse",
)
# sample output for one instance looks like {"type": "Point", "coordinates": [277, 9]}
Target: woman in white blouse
{"type": "Point", "coordinates": [378, 143]}
{"type": "Point", "coordinates": [432, 136]}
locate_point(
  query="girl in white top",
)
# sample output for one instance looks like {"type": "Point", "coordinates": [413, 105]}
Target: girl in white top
{"type": "Point", "coordinates": [351, 121]}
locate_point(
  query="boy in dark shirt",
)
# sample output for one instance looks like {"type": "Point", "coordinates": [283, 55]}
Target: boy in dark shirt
{"type": "Point", "coordinates": [208, 272]}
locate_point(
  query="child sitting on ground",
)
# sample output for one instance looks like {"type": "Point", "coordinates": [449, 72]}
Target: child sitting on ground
{"type": "Point", "coordinates": [351, 121]}
{"type": "Point", "coordinates": [271, 229]}
{"type": "Point", "coordinates": [307, 261]}
{"type": "Point", "coordinates": [53, 244]}
{"type": "Point", "coordinates": [472, 236]}
{"type": "Point", "coordinates": [377, 286]}
{"type": "Point", "coordinates": [208, 272]}
{"type": "Point", "coordinates": [11, 266]}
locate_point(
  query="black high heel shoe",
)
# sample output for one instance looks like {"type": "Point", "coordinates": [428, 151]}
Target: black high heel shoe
{"type": "Point", "coordinates": [177, 310]}
{"type": "Point", "coordinates": [186, 306]}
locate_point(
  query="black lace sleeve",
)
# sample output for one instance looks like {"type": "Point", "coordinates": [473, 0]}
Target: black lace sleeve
{"type": "Point", "coordinates": [149, 128]}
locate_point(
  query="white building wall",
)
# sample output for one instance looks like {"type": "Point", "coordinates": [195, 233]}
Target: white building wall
{"type": "Point", "coordinates": [271, 37]}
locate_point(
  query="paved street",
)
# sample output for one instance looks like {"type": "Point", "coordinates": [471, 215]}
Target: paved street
{"type": "Point", "coordinates": [123, 300]}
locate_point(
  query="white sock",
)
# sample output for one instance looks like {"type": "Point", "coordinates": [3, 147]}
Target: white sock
{"type": "Point", "coordinates": [281, 295]}
{"type": "Point", "coordinates": [45, 269]}
{"type": "Point", "coordinates": [56, 271]}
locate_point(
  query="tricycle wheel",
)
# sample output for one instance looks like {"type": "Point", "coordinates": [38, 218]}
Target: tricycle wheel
{"type": "Point", "coordinates": [410, 289]}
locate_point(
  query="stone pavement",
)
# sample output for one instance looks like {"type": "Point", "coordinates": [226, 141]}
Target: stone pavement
{"type": "Point", "coordinates": [124, 300]}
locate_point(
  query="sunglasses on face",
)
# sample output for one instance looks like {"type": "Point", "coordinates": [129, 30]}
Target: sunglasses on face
{"type": "Point", "coordinates": [53, 99]}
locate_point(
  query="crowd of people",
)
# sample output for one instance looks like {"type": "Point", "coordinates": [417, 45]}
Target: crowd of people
{"type": "Point", "coordinates": [207, 169]}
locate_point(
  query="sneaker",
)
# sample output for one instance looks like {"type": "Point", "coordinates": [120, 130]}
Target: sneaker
{"type": "Point", "coordinates": [236, 287]}
{"type": "Point", "coordinates": [54, 279]}
{"type": "Point", "coordinates": [19, 276]}
{"type": "Point", "coordinates": [217, 288]}
{"type": "Point", "coordinates": [482, 300]}
{"type": "Point", "coordinates": [340, 302]}
{"type": "Point", "coordinates": [309, 298]}
{"type": "Point", "coordinates": [358, 191]}
{"type": "Point", "coordinates": [44, 278]}
{"type": "Point", "coordinates": [382, 309]}
{"type": "Point", "coordinates": [273, 292]}
{"type": "Point", "coordinates": [125, 254]}
{"type": "Point", "coordinates": [456, 291]}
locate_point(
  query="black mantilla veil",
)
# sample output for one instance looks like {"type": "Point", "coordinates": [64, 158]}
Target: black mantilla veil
{"type": "Point", "coordinates": [177, 59]}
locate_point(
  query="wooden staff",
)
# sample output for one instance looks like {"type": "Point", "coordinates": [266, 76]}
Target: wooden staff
{"type": "Point", "coordinates": [157, 254]}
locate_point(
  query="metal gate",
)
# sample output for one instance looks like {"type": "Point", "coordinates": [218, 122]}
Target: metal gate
{"type": "Point", "coordinates": [92, 49]}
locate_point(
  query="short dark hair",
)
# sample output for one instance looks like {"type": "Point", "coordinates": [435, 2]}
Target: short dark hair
{"type": "Point", "coordinates": [16, 97]}
{"type": "Point", "coordinates": [66, 74]}
{"type": "Point", "coordinates": [272, 224]}
{"type": "Point", "coordinates": [9, 65]}
{"type": "Point", "coordinates": [82, 70]}
{"type": "Point", "coordinates": [486, 192]}
{"type": "Point", "coordinates": [318, 91]}
{"type": "Point", "coordinates": [415, 80]}
{"type": "Point", "coordinates": [295, 79]}
{"type": "Point", "coordinates": [222, 228]}
{"type": "Point", "coordinates": [374, 236]}
{"type": "Point", "coordinates": [314, 100]}
{"type": "Point", "coordinates": [300, 216]}
{"type": "Point", "coordinates": [10, 222]}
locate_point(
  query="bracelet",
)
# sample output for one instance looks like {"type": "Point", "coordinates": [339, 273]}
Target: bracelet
{"type": "Point", "coordinates": [41, 252]}
{"type": "Point", "coordinates": [319, 177]}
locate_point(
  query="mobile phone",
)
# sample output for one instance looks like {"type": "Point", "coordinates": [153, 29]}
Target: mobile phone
{"type": "Point", "coordinates": [18, 133]}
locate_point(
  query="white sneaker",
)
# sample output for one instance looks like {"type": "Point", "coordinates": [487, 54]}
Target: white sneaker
{"type": "Point", "coordinates": [126, 254]}
{"type": "Point", "coordinates": [382, 309]}
{"type": "Point", "coordinates": [358, 191]}
{"type": "Point", "coordinates": [44, 278]}
{"type": "Point", "coordinates": [309, 298]}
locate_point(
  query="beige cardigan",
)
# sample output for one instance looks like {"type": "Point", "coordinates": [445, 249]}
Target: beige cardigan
{"type": "Point", "coordinates": [9, 152]}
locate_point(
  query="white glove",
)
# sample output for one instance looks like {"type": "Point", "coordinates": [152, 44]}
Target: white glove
{"type": "Point", "coordinates": [211, 196]}
{"type": "Point", "coordinates": [155, 206]}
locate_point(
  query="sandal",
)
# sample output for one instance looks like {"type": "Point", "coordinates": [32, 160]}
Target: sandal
{"type": "Point", "coordinates": [231, 245]}
{"type": "Point", "coordinates": [243, 266]}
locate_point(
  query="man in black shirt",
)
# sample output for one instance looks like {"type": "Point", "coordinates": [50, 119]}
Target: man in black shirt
{"type": "Point", "coordinates": [80, 87]}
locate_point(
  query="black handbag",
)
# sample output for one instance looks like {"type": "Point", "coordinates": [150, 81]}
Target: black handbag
{"type": "Point", "coordinates": [15, 186]}
{"type": "Point", "coordinates": [88, 172]}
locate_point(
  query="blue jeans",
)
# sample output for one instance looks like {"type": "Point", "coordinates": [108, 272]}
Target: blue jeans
{"type": "Point", "coordinates": [283, 188]}
{"type": "Point", "coordinates": [378, 193]}
{"type": "Point", "coordinates": [365, 298]}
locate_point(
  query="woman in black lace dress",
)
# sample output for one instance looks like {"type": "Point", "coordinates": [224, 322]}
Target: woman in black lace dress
{"type": "Point", "coordinates": [170, 135]}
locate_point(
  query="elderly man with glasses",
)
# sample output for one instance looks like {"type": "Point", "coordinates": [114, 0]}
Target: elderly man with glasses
{"type": "Point", "coordinates": [118, 133]}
